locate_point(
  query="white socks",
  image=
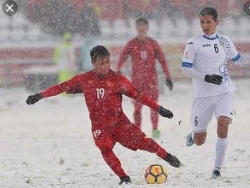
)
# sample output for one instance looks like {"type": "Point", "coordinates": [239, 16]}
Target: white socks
{"type": "Point", "coordinates": [221, 147]}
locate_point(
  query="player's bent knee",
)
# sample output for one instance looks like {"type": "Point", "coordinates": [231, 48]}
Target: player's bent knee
{"type": "Point", "coordinates": [104, 146]}
{"type": "Point", "coordinates": [105, 151]}
{"type": "Point", "coordinates": [223, 124]}
{"type": "Point", "coordinates": [199, 143]}
{"type": "Point", "coordinates": [149, 145]}
{"type": "Point", "coordinates": [200, 138]}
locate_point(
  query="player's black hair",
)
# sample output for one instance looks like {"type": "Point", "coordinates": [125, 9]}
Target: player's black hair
{"type": "Point", "coordinates": [98, 51]}
{"type": "Point", "coordinates": [209, 11]}
{"type": "Point", "coordinates": [142, 20]}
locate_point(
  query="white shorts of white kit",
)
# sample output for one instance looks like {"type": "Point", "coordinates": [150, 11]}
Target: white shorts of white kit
{"type": "Point", "coordinates": [203, 109]}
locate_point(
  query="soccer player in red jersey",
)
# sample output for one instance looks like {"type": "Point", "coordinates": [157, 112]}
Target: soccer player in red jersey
{"type": "Point", "coordinates": [145, 52]}
{"type": "Point", "coordinates": [103, 89]}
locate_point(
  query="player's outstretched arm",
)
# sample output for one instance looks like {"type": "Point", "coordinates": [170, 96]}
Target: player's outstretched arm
{"type": "Point", "coordinates": [190, 72]}
{"type": "Point", "coordinates": [241, 60]}
{"type": "Point", "coordinates": [145, 99]}
{"type": "Point", "coordinates": [52, 91]}
{"type": "Point", "coordinates": [129, 90]}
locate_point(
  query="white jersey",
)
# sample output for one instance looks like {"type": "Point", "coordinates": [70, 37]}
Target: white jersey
{"type": "Point", "coordinates": [209, 55]}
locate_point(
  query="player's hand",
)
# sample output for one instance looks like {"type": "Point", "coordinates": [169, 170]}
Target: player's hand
{"type": "Point", "coordinates": [169, 83]}
{"type": "Point", "coordinates": [32, 99]}
{"type": "Point", "coordinates": [165, 113]}
{"type": "Point", "coordinates": [214, 79]}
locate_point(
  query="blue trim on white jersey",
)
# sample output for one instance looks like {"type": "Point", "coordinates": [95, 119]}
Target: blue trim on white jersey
{"type": "Point", "coordinates": [236, 58]}
{"type": "Point", "coordinates": [216, 36]}
{"type": "Point", "coordinates": [187, 64]}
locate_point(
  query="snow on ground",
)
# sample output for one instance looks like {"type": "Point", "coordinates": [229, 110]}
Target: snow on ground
{"type": "Point", "coordinates": [49, 144]}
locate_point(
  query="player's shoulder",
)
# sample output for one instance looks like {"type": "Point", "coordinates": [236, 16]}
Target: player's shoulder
{"type": "Point", "coordinates": [152, 40]}
{"type": "Point", "coordinates": [117, 76]}
{"type": "Point", "coordinates": [194, 41]}
{"type": "Point", "coordinates": [85, 75]}
{"type": "Point", "coordinates": [220, 36]}
{"type": "Point", "coordinates": [195, 38]}
{"type": "Point", "coordinates": [132, 41]}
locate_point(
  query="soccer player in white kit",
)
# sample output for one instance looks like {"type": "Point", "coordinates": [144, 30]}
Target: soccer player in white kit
{"type": "Point", "coordinates": [205, 60]}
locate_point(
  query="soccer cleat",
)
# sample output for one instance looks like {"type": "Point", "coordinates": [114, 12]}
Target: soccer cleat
{"type": "Point", "coordinates": [215, 174]}
{"type": "Point", "coordinates": [125, 180]}
{"type": "Point", "coordinates": [172, 160]}
{"type": "Point", "coordinates": [189, 140]}
{"type": "Point", "coordinates": [156, 133]}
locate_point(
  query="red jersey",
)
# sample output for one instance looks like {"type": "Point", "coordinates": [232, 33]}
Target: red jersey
{"type": "Point", "coordinates": [144, 55]}
{"type": "Point", "coordinates": [103, 96]}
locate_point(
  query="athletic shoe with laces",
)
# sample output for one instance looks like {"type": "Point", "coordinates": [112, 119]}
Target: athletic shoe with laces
{"type": "Point", "coordinates": [215, 174]}
{"type": "Point", "coordinates": [156, 133]}
{"type": "Point", "coordinates": [172, 160]}
{"type": "Point", "coordinates": [189, 140]}
{"type": "Point", "coordinates": [125, 180]}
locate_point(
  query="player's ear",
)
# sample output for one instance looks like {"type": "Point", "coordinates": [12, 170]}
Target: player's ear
{"type": "Point", "coordinates": [217, 22]}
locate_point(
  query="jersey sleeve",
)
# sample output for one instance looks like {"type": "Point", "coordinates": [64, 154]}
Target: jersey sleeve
{"type": "Point", "coordinates": [129, 90]}
{"type": "Point", "coordinates": [233, 53]}
{"type": "Point", "coordinates": [72, 86]}
{"type": "Point", "coordinates": [187, 62]}
{"type": "Point", "coordinates": [52, 91]}
{"type": "Point", "coordinates": [124, 56]}
{"type": "Point", "coordinates": [161, 58]}
{"type": "Point", "coordinates": [235, 56]}
{"type": "Point", "coordinates": [189, 54]}
{"type": "Point", "coordinates": [242, 60]}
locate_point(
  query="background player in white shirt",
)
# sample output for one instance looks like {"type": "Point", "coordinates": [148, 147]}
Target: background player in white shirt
{"type": "Point", "coordinates": [205, 60]}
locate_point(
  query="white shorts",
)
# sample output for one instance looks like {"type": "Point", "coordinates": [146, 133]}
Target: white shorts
{"type": "Point", "coordinates": [203, 109]}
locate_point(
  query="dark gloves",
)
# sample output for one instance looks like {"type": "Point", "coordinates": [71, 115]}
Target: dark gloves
{"type": "Point", "coordinates": [169, 83]}
{"type": "Point", "coordinates": [214, 79]}
{"type": "Point", "coordinates": [33, 98]}
{"type": "Point", "coordinates": [165, 113]}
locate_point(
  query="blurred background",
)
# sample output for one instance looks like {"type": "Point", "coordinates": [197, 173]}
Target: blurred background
{"type": "Point", "coordinates": [28, 39]}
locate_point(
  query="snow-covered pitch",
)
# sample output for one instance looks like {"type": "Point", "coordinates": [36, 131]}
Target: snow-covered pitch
{"type": "Point", "coordinates": [49, 144]}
